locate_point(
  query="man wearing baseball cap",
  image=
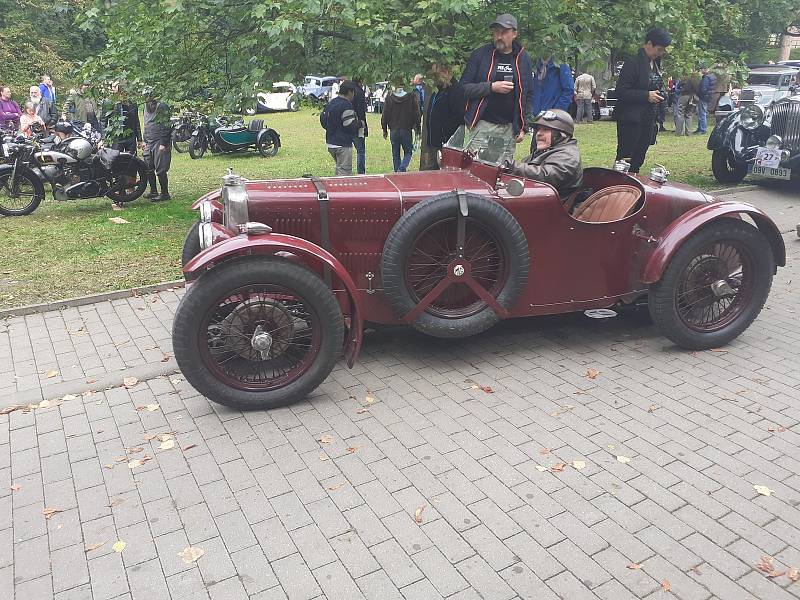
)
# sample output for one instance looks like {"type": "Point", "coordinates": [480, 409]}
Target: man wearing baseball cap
{"type": "Point", "coordinates": [498, 85]}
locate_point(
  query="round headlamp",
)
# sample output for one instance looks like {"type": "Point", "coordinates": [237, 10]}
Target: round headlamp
{"type": "Point", "coordinates": [752, 116]}
{"type": "Point", "coordinates": [774, 142]}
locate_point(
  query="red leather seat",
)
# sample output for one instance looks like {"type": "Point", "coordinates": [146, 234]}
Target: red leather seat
{"type": "Point", "coordinates": [609, 204]}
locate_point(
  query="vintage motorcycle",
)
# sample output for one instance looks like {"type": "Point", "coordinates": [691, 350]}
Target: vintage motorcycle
{"type": "Point", "coordinates": [75, 168]}
{"type": "Point", "coordinates": [220, 135]}
{"type": "Point", "coordinates": [183, 125]}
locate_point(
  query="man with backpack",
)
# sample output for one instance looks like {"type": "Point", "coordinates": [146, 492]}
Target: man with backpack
{"type": "Point", "coordinates": [341, 125]}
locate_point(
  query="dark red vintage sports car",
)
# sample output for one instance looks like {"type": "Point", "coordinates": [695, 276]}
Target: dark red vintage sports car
{"type": "Point", "coordinates": [282, 275]}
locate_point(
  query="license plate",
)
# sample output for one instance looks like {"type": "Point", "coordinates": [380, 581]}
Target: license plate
{"type": "Point", "coordinates": [605, 111]}
{"type": "Point", "coordinates": [768, 157]}
{"type": "Point", "coordinates": [773, 173]}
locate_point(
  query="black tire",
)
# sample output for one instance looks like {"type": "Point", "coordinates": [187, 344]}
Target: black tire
{"type": "Point", "coordinates": [197, 146]}
{"type": "Point", "coordinates": [195, 334]}
{"type": "Point", "coordinates": [29, 193]}
{"type": "Point", "coordinates": [137, 183]}
{"type": "Point", "coordinates": [685, 289]}
{"type": "Point", "coordinates": [725, 168]}
{"type": "Point", "coordinates": [486, 218]}
{"type": "Point", "coordinates": [181, 138]}
{"type": "Point", "coordinates": [191, 245]}
{"type": "Point", "coordinates": [267, 144]}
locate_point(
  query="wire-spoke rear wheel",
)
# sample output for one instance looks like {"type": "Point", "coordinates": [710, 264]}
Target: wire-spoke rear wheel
{"type": "Point", "coordinates": [715, 285]}
{"type": "Point", "coordinates": [23, 195]}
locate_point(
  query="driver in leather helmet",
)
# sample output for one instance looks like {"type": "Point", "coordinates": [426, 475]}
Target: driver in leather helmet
{"type": "Point", "coordinates": [554, 158]}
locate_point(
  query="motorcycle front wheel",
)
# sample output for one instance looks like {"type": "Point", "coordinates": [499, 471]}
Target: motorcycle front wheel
{"type": "Point", "coordinates": [23, 195]}
{"type": "Point", "coordinates": [197, 146]}
{"type": "Point", "coordinates": [181, 138]}
{"type": "Point", "coordinates": [134, 183]}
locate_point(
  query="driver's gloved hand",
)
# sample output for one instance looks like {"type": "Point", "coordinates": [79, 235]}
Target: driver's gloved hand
{"type": "Point", "coordinates": [507, 165]}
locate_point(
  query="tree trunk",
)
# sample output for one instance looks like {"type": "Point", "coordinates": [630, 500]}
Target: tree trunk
{"type": "Point", "coordinates": [786, 47]}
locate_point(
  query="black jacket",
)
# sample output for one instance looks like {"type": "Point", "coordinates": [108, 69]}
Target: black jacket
{"type": "Point", "coordinates": [340, 122]}
{"type": "Point", "coordinates": [633, 90]}
{"type": "Point", "coordinates": [129, 120]}
{"type": "Point", "coordinates": [360, 106]}
{"type": "Point", "coordinates": [444, 113]}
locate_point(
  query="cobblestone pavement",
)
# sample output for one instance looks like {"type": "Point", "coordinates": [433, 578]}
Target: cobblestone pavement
{"type": "Point", "coordinates": [638, 483]}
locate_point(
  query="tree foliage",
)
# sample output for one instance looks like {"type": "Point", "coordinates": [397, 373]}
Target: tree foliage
{"type": "Point", "coordinates": [39, 36]}
{"type": "Point", "coordinates": [221, 48]}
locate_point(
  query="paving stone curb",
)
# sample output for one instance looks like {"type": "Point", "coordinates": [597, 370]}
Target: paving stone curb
{"type": "Point", "coordinates": [31, 309]}
{"type": "Point", "coordinates": [103, 381]}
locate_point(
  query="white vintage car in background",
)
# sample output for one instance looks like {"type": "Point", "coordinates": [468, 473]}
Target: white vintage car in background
{"type": "Point", "coordinates": [283, 97]}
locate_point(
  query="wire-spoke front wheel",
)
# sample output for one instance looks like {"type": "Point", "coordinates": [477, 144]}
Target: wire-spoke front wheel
{"type": "Point", "coordinates": [257, 333]}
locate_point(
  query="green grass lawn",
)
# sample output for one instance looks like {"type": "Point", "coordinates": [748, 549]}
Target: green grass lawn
{"type": "Point", "coordinates": [70, 249]}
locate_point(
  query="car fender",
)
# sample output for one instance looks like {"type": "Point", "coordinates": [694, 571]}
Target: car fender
{"type": "Point", "coordinates": [272, 243]}
{"type": "Point", "coordinates": [689, 222]}
{"type": "Point", "coordinates": [212, 197]}
{"type": "Point", "coordinates": [723, 132]}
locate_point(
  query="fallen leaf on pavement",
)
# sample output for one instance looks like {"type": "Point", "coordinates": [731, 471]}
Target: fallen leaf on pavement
{"type": "Point", "coordinates": [763, 490]}
{"type": "Point", "coordinates": [634, 566]}
{"type": "Point", "coordinates": [167, 445]}
{"type": "Point", "coordinates": [666, 586]}
{"type": "Point", "coordinates": [139, 461]}
{"type": "Point", "coordinates": [486, 389]}
{"type": "Point", "coordinates": [323, 456]}
{"type": "Point", "coordinates": [335, 486]}
{"type": "Point", "coordinates": [352, 449]}
{"type": "Point", "coordinates": [120, 458]}
{"type": "Point", "coordinates": [95, 546]}
{"type": "Point", "coordinates": [326, 439]}
{"type": "Point", "coordinates": [129, 382]}
{"type": "Point", "coordinates": [49, 512]}
{"type": "Point", "coordinates": [135, 449]}
{"type": "Point", "coordinates": [91, 381]}
{"type": "Point", "coordinates": [116, 502]}
{"type": "Point", "coordinates": [653, 408]}
{"type": "Point", "coordinates": [579, 464]}
{"type": "Point", "coordinates": [540, 468]}
{"type": "Point", "coordinates": [166, 358]}
{"type": "Point", "coordinates": [10, 409]}
{"type": "Point", "coordinates": [119, 546]}
{"type": "Point", "coordinates": [188, 447]}
{"type": "Point", "coordinates": [370, 399]}
{"type": "Point", "coordinates": [50, 374]}
{"type": "Point", "coordinates": [592, 373]}
{"type": "Point", "coordinates": [544, 451]}
{"type": "Point", "coordinates": [558, 467]}
{"type": "Point", "coordinates": [623, 459]}
{"type": "Point", "coordinates": [191, 554]}
{"type": "Point", "coordinates": [773, 429]}
{"type": "Point", "coordinates": [118, 220]}
{"type": "Point", "coordinates": [775, 573]}
{"type": "Point", "coordinates": [163, 437]}
{"type": "Point", "coordinates": [766, 564]}
{"type": "Point", "coordinates": [148, 407]}
{"type": "Point", "coordinates": [793, 574]}
{"type": "Point", "coordinates": [361, 411]}
{"type": "Point", "coordinates": [69, 397]}
{"type": "Point", "coordinates": [15, 487]}
{"type": "Point", "coordinates": [696, 571]}
{"type": "Point", "coordinates": [418, 514]}
{"type": "Point", "coordinates": [109, 466]}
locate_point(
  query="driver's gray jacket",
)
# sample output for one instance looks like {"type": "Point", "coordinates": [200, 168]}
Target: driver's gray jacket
{"type": "Point", "coordinates": [559, 166]}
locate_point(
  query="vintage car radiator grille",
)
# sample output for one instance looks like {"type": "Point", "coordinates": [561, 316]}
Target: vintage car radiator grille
{"type": "Point", "coordinates": [786, 123]}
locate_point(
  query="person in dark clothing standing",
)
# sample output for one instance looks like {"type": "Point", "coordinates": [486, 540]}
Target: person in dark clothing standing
{"type": "Point", "coordinates": [639, 92]}
{"type": "Point", "coordinates": [444, 113]}
{"type": "Point", "coordinates": [126, 113]}
{"type": "Point", "coordinates": [401, 116]}
{"type": "Point", "coordinates": [360, 141]}
{"type": "Point", "coordinates": [498, 85]}
{"type": "Point", "coordinates": [157, 146]}
{"type": "Point", "coordinates": [341, 127]}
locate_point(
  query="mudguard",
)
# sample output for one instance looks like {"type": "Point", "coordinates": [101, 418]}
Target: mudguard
{"type": "Point", "coordinates": [213, 197]}
{"type": "Point", "coordinates": [723, 132]}
{"type": "Point", "coordinates": [689, 222]}
{"type": "Point", "coordinates": [272, 243]}
{"type": "Point", "coordinates": [277, 135]}
{"type": "Point", "coordinates": [9, 167]}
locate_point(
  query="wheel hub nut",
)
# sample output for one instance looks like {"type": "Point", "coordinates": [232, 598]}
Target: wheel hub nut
{"type": "Point", "coordinates": [261, 342]}
{"type": "Point", "coordinates": [458, 270]}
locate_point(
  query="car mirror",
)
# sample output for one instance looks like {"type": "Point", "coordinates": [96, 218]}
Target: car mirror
{"type": "Point", "coordinates": [515, 187]}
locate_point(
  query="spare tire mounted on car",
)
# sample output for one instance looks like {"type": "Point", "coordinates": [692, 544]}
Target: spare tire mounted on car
{"type": "Point", "coordinates": [454, 264]}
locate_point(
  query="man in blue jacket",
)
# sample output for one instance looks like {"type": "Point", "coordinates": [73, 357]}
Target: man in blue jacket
{"type": "Point", "coordinates": [341, 127]}
{"type": "Point", "coordinates": [707, 84]}
{"type": "Point", "coordinates": [553, 86]}
{"type": "Point", "coordinates": [498, 86]}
